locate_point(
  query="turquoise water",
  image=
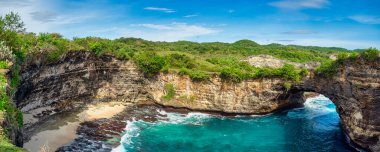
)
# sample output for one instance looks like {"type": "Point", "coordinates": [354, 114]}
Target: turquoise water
{"type": "Point", "coordinates": [314, 127]}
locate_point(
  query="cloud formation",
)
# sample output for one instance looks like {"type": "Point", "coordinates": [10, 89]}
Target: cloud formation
{"type": "Point", "coordinates": [15, 3]}
{"type": "Point", "coordinates": [166, 32]}
{"type": "Point", "coordinates": [366, 19]}
{"type": "Point", "coordinates": [300, 4]}
{"type": "Point", "coordinates": [161, 9]}
{"type": "Point", "coordinates": [44, 16]}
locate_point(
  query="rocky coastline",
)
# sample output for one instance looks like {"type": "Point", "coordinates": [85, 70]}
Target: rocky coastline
{"type": "Point", "coordinates": [80, 78]}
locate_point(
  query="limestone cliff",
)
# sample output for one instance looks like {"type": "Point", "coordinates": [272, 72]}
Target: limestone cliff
{"type": "Point", "coordinates": [248, 97]}
{"type": "Point", "coordinates": [355, 90]}
{"type": "Point", "coordinates": [81, 77]}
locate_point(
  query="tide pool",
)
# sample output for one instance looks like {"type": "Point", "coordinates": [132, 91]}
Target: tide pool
{"type": "Point", "coordinates": [314, 127]}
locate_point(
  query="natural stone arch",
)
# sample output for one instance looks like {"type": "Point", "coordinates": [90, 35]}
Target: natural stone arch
{"type": "Point", "coordinates": [355, 91]}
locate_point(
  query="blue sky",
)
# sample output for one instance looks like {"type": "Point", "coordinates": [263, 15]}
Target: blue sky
{"type": "Point", "coordinates": [343, 23]}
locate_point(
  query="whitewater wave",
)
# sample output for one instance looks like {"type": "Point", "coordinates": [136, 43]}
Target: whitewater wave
{"type": "Point", "coordinates": [313, 107]}
{"type": "Point", "coordinates": [319, 103]}
{"type": "Point", "coordinates": [131, 130]}
{"type": "Point", "coordinates": [134, 127]}
{"type": "Point", "coordinates": [194, 118]}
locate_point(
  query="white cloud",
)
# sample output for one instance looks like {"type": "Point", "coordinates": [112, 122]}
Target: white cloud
{"type": "Point", "coordinates": [175, 31]}
{"type": "Point", "coordinates": [15, 3]}
{"type": "Point", "coordinates": [159, 32]}
{"type": "Point", "coordinates": [155, 26]}
{"type": "Point", "coordinates": [366, 19]}
{"type": "Point", "coordinates": [38, 20]}
{"type": "Point", "coordinates": [161, 9]}
{"type": "Point", "coordinates": [300, 4]}
{"type": "Point", "coordinates": [24, 8]}
{"type": "Point", "coordinates": [44, 16]}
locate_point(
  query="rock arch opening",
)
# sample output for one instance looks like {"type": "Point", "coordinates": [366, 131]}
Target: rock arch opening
{"type": "Point", "coordinates": [355, 91]}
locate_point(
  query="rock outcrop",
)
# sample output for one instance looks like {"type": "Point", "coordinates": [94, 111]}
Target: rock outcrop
{"type": "Point", "coordinates": [248, 97]}
{"type": "Point", "coordinates": [355, 90]}
{"type": "Point", "coordinates": [81, 77]}
{"type": "Point", "coordinates": [270, 61]}
{"type": "Point", "coordinates": [78, 78]}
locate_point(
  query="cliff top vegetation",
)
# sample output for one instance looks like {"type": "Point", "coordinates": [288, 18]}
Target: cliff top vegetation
{"type": "Point", "coordinates": [198, 60]}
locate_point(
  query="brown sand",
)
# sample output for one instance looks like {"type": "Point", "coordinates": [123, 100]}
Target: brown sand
{"type": "Point", "coordinates": [52, 139]}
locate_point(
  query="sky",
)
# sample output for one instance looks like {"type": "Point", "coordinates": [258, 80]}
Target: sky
{"type": "Point", "coordinates": [342, 23]}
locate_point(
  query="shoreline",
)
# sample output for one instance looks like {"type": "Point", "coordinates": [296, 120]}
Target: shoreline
{"type": "Point", "coordinates": [51, 135]}
{"type": "Point", "coordinates": [90, 119]}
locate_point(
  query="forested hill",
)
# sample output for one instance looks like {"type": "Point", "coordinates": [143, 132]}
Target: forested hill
{"type": "Point", "coordinates": [198, 60]}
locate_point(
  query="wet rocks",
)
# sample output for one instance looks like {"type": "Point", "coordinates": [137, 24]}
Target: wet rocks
{"type": "Point", "coordinates": [82, 144]}
{"type": "Point", "coordinates": [103, 134]}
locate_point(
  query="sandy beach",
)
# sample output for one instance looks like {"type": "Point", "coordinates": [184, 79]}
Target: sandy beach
{"type": "Point", "coordinates": [51, 138]}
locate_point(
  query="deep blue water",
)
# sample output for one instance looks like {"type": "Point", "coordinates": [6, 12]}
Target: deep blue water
{"type": "Point", "coordinates": [314, 127]}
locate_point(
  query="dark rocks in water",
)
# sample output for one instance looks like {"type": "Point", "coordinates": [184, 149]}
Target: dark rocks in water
{"type": "Point", "coordinates": [97, 135]}
{"type": "Point", "coordinates": [85, 145]}
{"type": "Point", "coordinates": [102, 129]}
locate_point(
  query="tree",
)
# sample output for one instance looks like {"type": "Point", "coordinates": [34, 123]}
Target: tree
{"type": "Point", "coordinates": [149, 63]}
{"type": "Point", "coordinates": [10, 26]}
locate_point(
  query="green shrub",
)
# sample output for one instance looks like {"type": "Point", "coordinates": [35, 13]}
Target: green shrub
{"type": "Point", "coordinates": [98, 47]}
{"type": "Point", "coordinates": [342, 56]}
{"type": "Point", "coordinates": [165, 69]}
{"type": "Point", "coordinates": [353, 56]}
{"type": "Point", "coordinates": [15, 76]}
{"type": "Point", "coordinates": [149, 63]}
{"type": "Point", "coordinates": [180, 61]}
{"type": "Point", "coordinates": [289, 72]}
{"type": "Point", "coordinates": [370, 54]}
{"type": "Point", "coordinates": [3, 80]}
{"type": "Point", "coordinates": [265, 72]}
{"type": "Point", "coordinates": [170, 92]}
{"type": "Point", "coordinates": [184, 71]}
{"type": "Point", "coordinates": [3, 100]}
{"type": "Point", "coordinates": [194, 75]}
{"type": "Point", "coordinates": [53, 55]}
{"type": "Point", "coordinates": [328, 68]}
{"type": "Point", "coordinates": [304, 72]}
{"type": "Point", "coordinates": [123, 54]}
{"type": "Point", "coordinates": [199, 75]}
{"type": "Point", "coordinates": [4, 65]}
{"type": "Point", "coordinates": [234, 74]}
{"type": "Point", "coordinates": [287, 85]}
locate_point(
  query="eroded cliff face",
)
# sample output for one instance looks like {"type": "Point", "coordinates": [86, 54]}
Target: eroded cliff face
{"type": "Point", "coordinates": [248, 97]}
{"type": "Point", "coordinates": [76, 79]}
{"type": "Point", "coordinates": [355, 90]}
{"type": "Point", "coordinates": [81, 77]}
